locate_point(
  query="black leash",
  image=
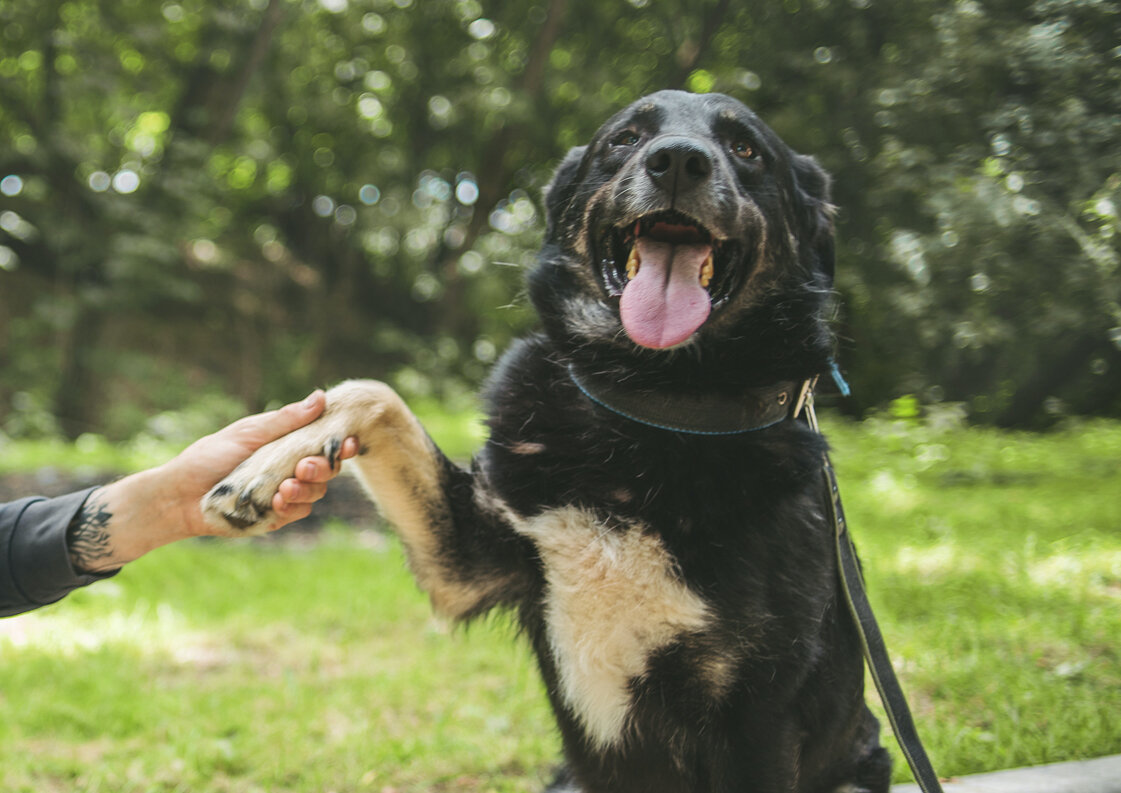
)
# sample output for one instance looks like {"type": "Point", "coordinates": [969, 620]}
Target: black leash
{"type": "Point", "coordinates": [875, 650]}
{"type": "Point", "coordinates": [756, 409]}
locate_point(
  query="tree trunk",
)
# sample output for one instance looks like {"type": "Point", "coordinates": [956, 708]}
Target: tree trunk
{"type": "Point", "coordinates": [689, 54]}
{"type": "Point", "coordinates": [1048, 380]}
{"type": "Point", "coordinates": [494, 175]}
{"type": "Point", "coordinates": [208, 105]}
{"type": "Point", "coordinates": [76, 403]}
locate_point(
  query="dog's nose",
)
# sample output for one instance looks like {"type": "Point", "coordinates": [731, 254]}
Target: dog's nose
{"type": "Point", "coordinates": [678, 164]}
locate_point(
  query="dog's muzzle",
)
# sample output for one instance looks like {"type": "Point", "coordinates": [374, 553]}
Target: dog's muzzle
{"type": "Point", "coordinates": [669, 272]}
{"type": "Point", "coordinates": [660, 248]}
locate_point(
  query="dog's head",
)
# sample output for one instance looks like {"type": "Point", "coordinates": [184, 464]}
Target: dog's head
{"type": "Point", "coordinates": [686, 223]}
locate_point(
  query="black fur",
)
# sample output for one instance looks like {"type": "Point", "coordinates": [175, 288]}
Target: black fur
{"type": "Point", "coordinates": [741, 516]}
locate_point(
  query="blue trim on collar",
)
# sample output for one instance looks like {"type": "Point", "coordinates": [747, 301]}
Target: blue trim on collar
{"type": "Point", "coordinates": [839, 379]}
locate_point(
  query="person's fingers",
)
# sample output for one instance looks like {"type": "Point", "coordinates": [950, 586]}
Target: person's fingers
{"type": "Point", "coordinates": [350, 448]}
{"type": "Point", "coordinates": [256, 431]}
{"type": "Point", "coordinates": [294, 491]}
{"type": "Point", "coordinates": [318, 468]}
{"type": "Point", "coordinates": [288, 512]}
{"type": "Point", "coordinates": [314, 469]}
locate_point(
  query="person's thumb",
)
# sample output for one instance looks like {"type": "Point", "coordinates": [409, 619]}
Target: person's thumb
{"type": "Point", "coordinates": [263, 428]}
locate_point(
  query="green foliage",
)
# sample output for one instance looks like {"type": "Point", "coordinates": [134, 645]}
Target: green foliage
{"type": "Point", "coordinates": [1003, 128]}
{"type": "Point", "coordinates": [992, 559]}
{"type": "Point", "coordinates": [272, 195]}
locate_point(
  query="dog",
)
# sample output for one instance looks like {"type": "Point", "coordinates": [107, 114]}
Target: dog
{"type": "Point", "coordinates": [647, 503]}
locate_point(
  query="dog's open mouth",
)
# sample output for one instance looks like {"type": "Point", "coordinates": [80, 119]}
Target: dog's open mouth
{"type": "Point", "coordinates": [669, 272]}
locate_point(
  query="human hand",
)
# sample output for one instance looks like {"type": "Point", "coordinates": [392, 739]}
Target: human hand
{"type": "Point", "coordinates": [205, 462]}
{"type": "Point", "coordinates": [132, 516]}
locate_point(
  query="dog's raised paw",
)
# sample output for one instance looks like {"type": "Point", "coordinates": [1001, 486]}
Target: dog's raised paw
{"type": "Point", "coordinates": [241, 504]}
{"type": "Point", "coordinates": [240, 507]}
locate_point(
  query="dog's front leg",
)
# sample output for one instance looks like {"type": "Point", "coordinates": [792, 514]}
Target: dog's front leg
{"type": "Point", "coordinates": [460, 545]}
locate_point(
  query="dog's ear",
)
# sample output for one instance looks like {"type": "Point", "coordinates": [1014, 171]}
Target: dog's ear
{"type": "Point", "coordinates": [562, 188]}
{"type": "Point", "coordinates": [816, 210]}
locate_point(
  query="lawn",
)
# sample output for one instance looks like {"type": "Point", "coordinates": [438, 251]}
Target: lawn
{"type": "Point", "coordinates": [993, 559]}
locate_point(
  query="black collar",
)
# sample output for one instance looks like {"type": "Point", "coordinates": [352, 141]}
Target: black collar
{"type": "Point", "coordinates": [694, 414]}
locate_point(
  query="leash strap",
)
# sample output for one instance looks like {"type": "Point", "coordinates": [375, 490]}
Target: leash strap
{"type": "Point", "coordinates": [875, 650]}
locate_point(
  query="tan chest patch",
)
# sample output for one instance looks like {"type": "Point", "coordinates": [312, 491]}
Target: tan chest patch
{"type": "Point", "coordinates": [612, 599]}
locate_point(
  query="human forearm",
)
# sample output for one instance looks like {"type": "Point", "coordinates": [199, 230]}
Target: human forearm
{"type": "Point", "coordinates": [48, 547]}
{"type": "Point", "coordinates": [35, 566]}
{"type": "Point", "coordinates": [122, 521]}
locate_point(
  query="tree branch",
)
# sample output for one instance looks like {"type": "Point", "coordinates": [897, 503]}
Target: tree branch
{"type": "Point", "coordinates": [494, 170]}
{"type": "Point", "coordinates": [690, 56]}
{"type": "Point", "coordinates": [209, 102]}
{"type": "Point", "coordinates": [258, 49]}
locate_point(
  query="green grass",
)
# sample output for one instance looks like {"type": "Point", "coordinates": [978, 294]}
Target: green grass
{"type": "Point", "coordinates": [993, 560]}
{"type": "Point", "coordinates": [89, 453]}
{"type": "Point", "coordinates": [459, 433]}
{"type": "Point", "coordinates": [220, 666]}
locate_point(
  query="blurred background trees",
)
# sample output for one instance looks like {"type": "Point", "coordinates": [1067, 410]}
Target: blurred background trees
{"type": "Point", "coordinates": [229, 202]}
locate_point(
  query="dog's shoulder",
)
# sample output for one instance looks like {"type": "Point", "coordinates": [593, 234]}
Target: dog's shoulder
{"type": "Point", "coordinates": [524, 371]}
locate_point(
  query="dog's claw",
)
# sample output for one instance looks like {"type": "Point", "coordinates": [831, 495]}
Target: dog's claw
{"type": "Point", "coordinates": [334, 446]}
{"type": "Point", "coordinates": [245, 498]}
{"type": "Point", "coordinates": [242, 503]}
{"type": "Point", "coordinates": [238, 523]}
{"type": "Point", "coordinates": [238, 507]}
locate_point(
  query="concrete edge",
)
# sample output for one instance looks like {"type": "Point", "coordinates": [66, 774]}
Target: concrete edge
{"type": "Point", "coordinates": [1101, 775]}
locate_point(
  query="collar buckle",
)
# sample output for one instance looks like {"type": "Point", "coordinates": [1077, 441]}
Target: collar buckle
{"type": "Point", "coordinates": [806, 403]}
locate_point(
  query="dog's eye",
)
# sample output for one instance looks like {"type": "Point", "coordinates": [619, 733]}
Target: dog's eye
{"type": "Point", "coordinates": [743, 150]}
{"type": "Point", "coordinates": [625, 138]}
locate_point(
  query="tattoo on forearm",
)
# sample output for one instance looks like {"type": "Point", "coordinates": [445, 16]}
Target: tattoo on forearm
{"type": "Point", "coordinates": [88, 537]}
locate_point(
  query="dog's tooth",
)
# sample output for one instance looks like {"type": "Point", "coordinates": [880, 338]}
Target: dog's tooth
{"type": "Point", "coordinates": [632, 263]}
{"type": "Point", "coordinates": [708, 269]}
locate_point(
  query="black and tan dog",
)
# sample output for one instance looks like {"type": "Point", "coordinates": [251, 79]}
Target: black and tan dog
{"type": "Point", "coordinates": [645, 503]}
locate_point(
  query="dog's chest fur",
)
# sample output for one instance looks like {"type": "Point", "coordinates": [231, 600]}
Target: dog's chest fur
{"type": "Point", "coordinates": [651, 564]}
{"type": "Point", "coordinates": [613, 597]}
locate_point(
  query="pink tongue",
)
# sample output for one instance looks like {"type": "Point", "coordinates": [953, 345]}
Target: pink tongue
{"type": "Point", "coordinates": [665, 303]}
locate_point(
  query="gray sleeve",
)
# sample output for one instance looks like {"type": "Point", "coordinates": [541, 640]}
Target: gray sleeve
{"type": "Point", "coordinates": [35, 564]}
